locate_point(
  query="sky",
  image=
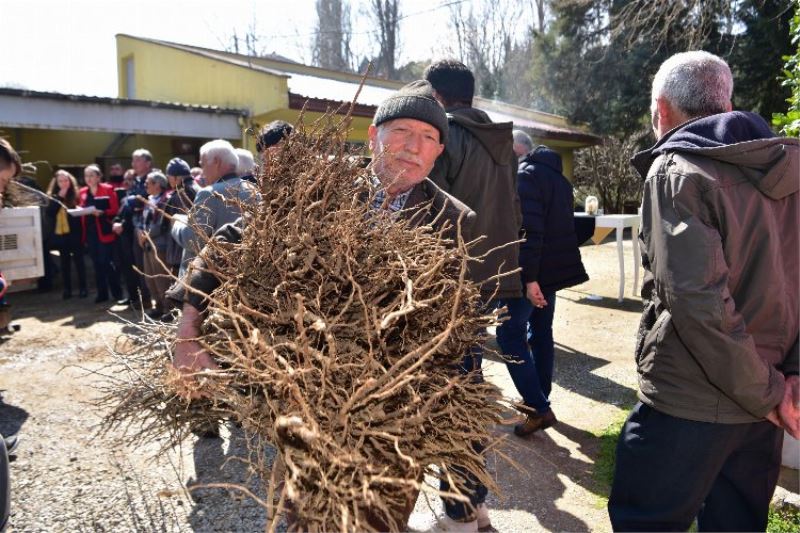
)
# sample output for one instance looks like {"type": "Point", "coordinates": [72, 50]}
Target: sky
{"type": "Point", "coordinates": [69, 46]}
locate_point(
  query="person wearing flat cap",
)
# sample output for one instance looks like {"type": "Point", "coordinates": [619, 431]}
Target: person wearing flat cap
{"type": "Point", "coordinates": [406, 136]}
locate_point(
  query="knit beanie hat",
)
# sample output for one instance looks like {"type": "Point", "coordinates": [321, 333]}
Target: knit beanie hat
{"type": "Point", "coordinates": [416, 101]}
{"type": "Point", "coordinates": [178, 167]}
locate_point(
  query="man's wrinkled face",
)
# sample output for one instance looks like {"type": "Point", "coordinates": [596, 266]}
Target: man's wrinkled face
{"type": "Point", "coordinates": [212, 168]}
{"type": "Point", "coordinates": [405, 150]}
{"type": "Point", "coordinates": [140, 165]}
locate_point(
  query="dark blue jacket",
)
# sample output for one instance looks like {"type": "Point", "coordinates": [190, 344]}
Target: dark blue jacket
{"type": "Point", "coordinates": [550, 252]}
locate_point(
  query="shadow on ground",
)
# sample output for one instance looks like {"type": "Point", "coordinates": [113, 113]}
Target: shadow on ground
{"type": "Point", "coordinates": [11, 418]}
{"type": "Point", "coordinates": [536, 484]}
{"type": "Point", "coordinates": [575, 371]}
{"type": "Point", "coordinates": [218, 461]}
{"type": "Point", "coordinates": [633, 305]}
{"type": "Point", "coordinates": [50, 307]}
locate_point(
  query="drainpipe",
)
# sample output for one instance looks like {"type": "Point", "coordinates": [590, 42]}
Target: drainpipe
{"type": "Point", "coordinates": [244, 125]}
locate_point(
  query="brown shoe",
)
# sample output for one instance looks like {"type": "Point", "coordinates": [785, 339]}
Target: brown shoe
{"type": "Point", "coordinates": [534, 423]}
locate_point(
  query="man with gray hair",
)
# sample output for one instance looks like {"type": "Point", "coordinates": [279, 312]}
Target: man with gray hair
{"type": "Point", "coordinates": [523, 144]}
{"type": "Point", "coordinates": [125, 223]}
{"type": "Point", "coordinates": [153, 236]}
{"type": "Point", "coordinates": [717, 348]}
{"type": "Point", "coordinates": [217, 203]}
{"type": "Point", "coordinates": [247, 165]}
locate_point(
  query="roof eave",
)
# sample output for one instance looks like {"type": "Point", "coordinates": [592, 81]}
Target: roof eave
{"type": "Point", "coordinates": [321, 105]}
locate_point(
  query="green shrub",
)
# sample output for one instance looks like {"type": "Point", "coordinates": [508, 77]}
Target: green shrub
{"type": "Point", "coordinates": [789, 122]}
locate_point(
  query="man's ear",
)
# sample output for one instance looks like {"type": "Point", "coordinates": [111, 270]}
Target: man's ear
{"type": "Point", "coordinates": [441, 149]}
{"type": "Point", "coordinates": [668, 116]}
{"type": "Point", "coordinates": [372, 134]}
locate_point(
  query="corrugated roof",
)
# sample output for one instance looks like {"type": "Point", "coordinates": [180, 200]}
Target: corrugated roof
{"type": "Point", "coordinates": [340, 91]}
{"type": "Point", "coordinates": [543, 129]}
{"type": "Point", "coordinates": [121, 101]}
{"type": "Point", "coordinates": [55, 111]}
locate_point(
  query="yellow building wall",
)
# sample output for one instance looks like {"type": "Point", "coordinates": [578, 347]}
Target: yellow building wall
{"type": "Point", "coordinates": [167, 74]}
{"type": "Point", "coordinates": [51, 149]}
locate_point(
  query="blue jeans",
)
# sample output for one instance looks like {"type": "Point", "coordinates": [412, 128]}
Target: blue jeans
{"type": "Point", "coordinates": [527, 338]}
{"type": "Point", "coordinates": [476, 491]}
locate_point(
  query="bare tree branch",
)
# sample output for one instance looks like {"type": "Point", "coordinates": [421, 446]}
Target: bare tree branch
{"type": "Point", "coordinates": [331, 47]}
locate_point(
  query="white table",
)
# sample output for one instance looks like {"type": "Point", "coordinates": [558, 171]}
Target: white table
{"type": "Point", "coordinates": [619, 223]}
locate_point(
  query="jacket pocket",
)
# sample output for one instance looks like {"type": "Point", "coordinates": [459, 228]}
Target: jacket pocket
{"type": "Point", "coordinates": [651, 334]}
{"type": "Point", "coordinates": [645, 325]}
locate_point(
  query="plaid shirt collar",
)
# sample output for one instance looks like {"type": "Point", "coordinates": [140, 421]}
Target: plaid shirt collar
{"type": "Point", "coordinates": [395, 204]}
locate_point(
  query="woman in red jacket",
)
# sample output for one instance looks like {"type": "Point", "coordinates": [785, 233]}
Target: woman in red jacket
{"type": "Point", "coordinates": [97, 234]}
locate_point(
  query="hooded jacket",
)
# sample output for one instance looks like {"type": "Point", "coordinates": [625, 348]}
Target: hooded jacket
{"type": "Point", "coordinates": [550, 254]}
{"type": "Point", "coordinates": [478, 166]}
{"type": "Point", "coordinates": [719, 238]}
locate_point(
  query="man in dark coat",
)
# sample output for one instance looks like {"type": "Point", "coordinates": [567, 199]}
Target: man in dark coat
{"type": "Point", "coordinates": [478, 167]}
{"type": "Point", "coordinates": [125, 223]}
{"type": "Point", "coordinates": [550, 261]}
{"type": "Point", "coordinates": [717, 349]}
{"type": "Point", "coordinates": [184, 191]}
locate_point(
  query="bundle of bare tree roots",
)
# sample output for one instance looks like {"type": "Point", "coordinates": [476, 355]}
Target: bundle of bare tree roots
{"type": "Point", "coordinates": [339, 331]}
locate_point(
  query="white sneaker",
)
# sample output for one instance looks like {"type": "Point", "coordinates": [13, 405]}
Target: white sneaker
{"type": "Point", "coordinates": [445, 523]}
{"type": "Point", "coordinates": [484, 523]}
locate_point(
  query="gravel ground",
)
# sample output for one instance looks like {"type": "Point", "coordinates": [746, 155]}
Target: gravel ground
{"type": "Point", "coordinates": [65, 478]}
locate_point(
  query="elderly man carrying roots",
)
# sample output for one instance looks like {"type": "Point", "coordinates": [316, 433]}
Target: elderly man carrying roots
{"type": "Point", "coordinates": [407, 135]}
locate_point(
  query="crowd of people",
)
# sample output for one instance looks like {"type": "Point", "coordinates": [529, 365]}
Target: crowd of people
{"type": "Point", "coordinates": [717, 351]}
{"type": "Point", "coordinates": [139, 226]}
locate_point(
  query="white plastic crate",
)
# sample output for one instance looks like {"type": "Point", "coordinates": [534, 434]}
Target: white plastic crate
{"type": "Point", "coordinates": [21, 243]}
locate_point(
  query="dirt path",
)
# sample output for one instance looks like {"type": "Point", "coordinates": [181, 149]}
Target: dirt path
{"type": "Point", "coordinates": [65, 479]}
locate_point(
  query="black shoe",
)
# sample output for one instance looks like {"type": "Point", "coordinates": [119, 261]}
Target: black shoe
{"type": "Point", "coordinates": [167, 318]}
{"type": "Point", "coordinates": [124, 301]}
{"type": "Point", "coordinates": [11, 443]}
{"type": "Point", "coordinates": [83, 293]}
{"type": "Point", "coordinates": [101, 299]}
{"type": "Point", "coordinates": [207, 431]}
{"type": "Point", "coordinates": [154, 313]}
{"type": "Point", "coordinates": [67, 295]}
{"type": "Point", "coordinates": [535, 422]}
{"type": "Point", "coordinates": [136, 305]}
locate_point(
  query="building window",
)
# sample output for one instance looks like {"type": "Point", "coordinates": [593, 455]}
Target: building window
{"type": "Point", "coordinates": [130, 79]}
